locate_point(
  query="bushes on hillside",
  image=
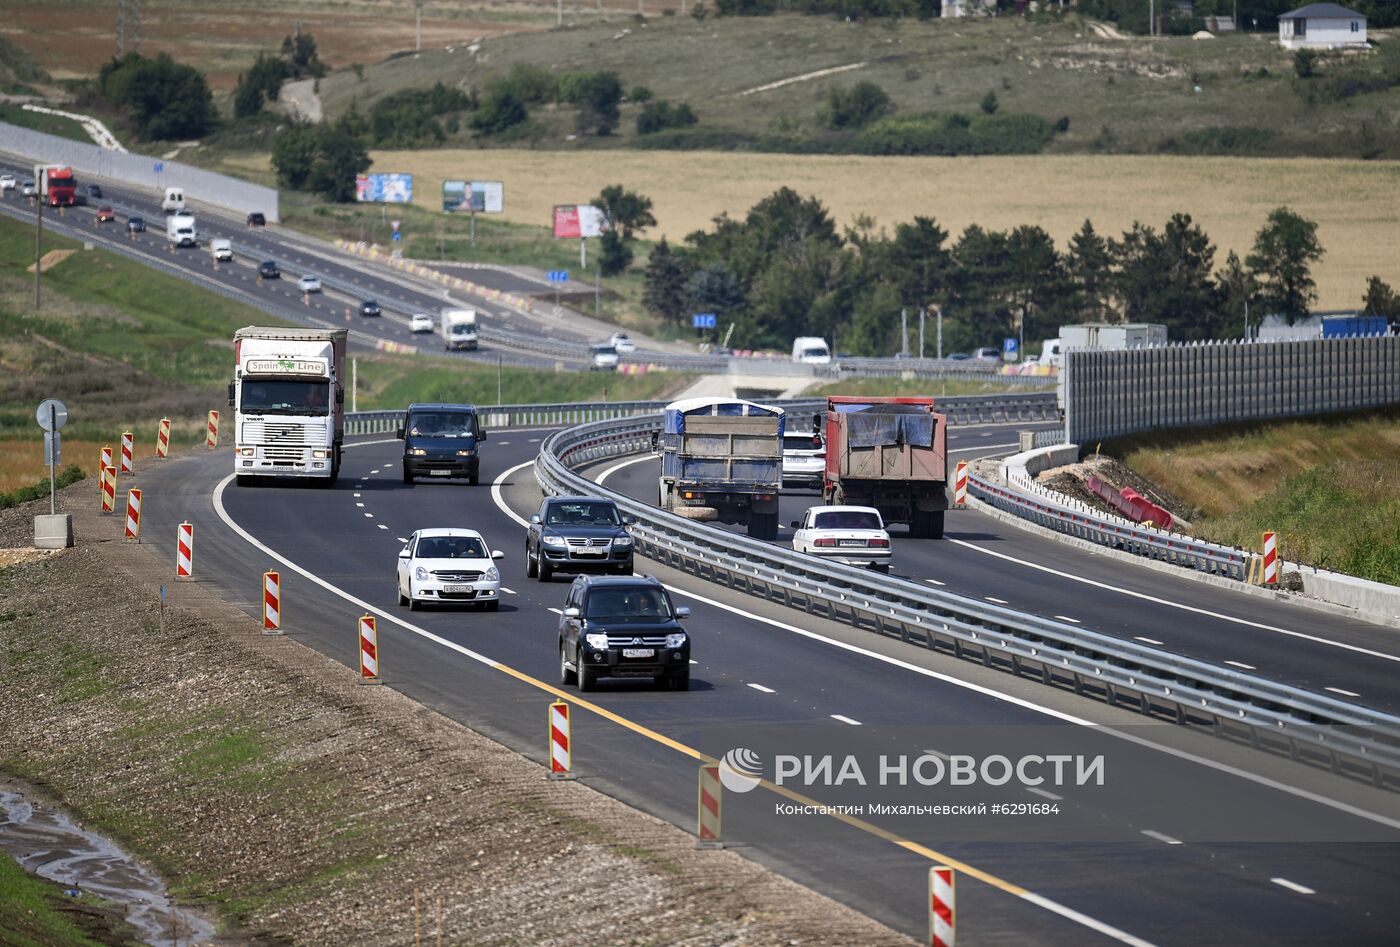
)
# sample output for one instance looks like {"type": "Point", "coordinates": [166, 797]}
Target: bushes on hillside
{"type": "Point", "coordinates": [167, 100]}
{"type": "Point", "coordinates": [855, 107]}
{"type": "Point", "coordinates": [409, 119]}
{"type": "Point", "coordinates": [660, 115]}
{"type": "Point", "coordinates": [322, 159]}
{"type": "Point", "coordinates": [956, 134]}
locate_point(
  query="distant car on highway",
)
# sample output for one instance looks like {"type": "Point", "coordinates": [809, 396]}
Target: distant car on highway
{"type": "Point", "coordinates": [268, 269]}
{"type": "Point", "coordinates": [221, 249]}
{"type": "Point", "coordinates": [854, 535]}
{"type": "Point", "coordinates": [622, 343]}
{"type": "Point", "coordinates": [136, 224]}
{"type": "Point", "coordinates": [7, 182]}
{"type": "Point", "coordinates": [602, 358]}
{"type": "Point", "coordinates": [28, 188]}
{"type": "Point", "coordinates": [804, 459]}
{"type": "Point", "coordinates": [105, 214]}
{"type": "Point", "coordinates": [577, 534]}
{"type": "Point", "coordinates": [959, 357]}
{"type": "Point", "coordinates": [309, 284]}
{"type": "Point", "coordinates": [94, 190]}
{"type": "Point", "coordinates": [622, 627]}
{"type": "Point", "coordinates": [449, 566]}
{"type": "Point", "coordinates": [987, 354]}
{"type": "Point", "coordinates": [420, 322]}
{"type": "Point", "coordinates": [370, 308]}
{"type": "Point", "coordinates": [256, 219]}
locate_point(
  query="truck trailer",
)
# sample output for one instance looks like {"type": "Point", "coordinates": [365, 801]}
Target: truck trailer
{"type": "Point", "coordinates": [458, 329]}
{"type": "Point", "coordinates": [288, 401]}
{"type": "Point", "coordinates": [889, 453]}
{"type": "Point", "coordinates": [722, 461]}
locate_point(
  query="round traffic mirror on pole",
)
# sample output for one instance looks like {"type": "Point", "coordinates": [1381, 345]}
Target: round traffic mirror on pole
{"type": "Point", "coordinates": [51, 414]}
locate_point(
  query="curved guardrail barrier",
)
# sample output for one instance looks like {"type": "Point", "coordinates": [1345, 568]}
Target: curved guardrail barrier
{"type": "Point", "coordinates": [1344, 737]}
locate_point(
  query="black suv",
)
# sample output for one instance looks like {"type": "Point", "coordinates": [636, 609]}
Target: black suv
{"type": "Point", "coordinates": [369, 308]}
{"type": "Point", "coordinates": [577, 534]}
{"type": "Point", "coordinates": [441, 440]}
{"type": "Point", "coordinates": [256, 219]}
{"type": "Point", "coordinates": [268, 269]}
{"type": "Point", "coordinates": [622, 627]}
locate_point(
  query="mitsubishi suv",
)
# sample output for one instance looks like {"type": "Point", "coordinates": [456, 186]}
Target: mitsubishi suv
{"type": "Point", "coordinates": [577, 534]}
{"type": "Point", "coordinates": [613, 626]}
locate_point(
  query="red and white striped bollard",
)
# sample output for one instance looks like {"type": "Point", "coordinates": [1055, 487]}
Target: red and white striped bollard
{"type": "Point", "coordinates": [960, 485]}
{"type": "Point", "coordinates": [133, 513]}
{"type": "Point", "coordinates": [108, 478]}
{"type": "Point", "coordinates": [105, 458]}
{"type": "Point", "coordinates": [560, 742]}
{"type": "Point", "coordinates": [211, 437]}
{"type": "Point", "coordinates": [942, 906]}
{"type": "Point", "coordinates": [128, 468]}
{"type": "Point", "coordinates": [369, 651]}
{"type": "Point", "coordinates": [1270, 559]}
{"type": "Point", "coordinates": [272, 603]}
{"type": "Point", "coordinates": [163, 439]}
{"type": "Point", "coordinates": [184, 551]}
{"type": "Point", "coordinates": [710, 808]}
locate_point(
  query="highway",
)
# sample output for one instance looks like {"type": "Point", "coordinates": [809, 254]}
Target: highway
{"type": "Point", "coordinates": [759, 665]}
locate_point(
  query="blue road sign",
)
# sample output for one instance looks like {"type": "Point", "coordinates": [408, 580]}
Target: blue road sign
{"type": "Point", "coordinates": [1009, 346]}
{"type": "Point", "coordinates": [160, 166]}
{"type": "Point", "coordinates": [558, 276]}
{"type": "Point", "coordinates": [397, 236]}
{"type": "Point", "coordinates": [703, 320]}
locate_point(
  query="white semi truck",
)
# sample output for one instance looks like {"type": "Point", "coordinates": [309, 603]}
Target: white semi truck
{"type": "Point", "coordinates": [288, 401]}
{"type": "Point", "coordinates": [179, 230]}
{"type": "Point", "coordinates": [458, 329]}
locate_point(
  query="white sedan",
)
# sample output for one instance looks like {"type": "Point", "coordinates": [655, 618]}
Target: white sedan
{"type": "Point", "coordinates": [854, 535]}
{"type": "Point", "coordinates": [420, 322]}
{"type": "Point", "coordinates": [309, 284]}
{"type": "Point", "coordinates": [622, 343]}
{"type": "Point", "coordinates": [449, 566]}
{"type": "Point", "coordinates": [7, 182]}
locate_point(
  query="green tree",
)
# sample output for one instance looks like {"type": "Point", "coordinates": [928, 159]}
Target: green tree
{"type": "Point", "coordinates": [598, 98]}
{"type": "Point", "coordinates": [300, 51]}
{"type": "Point", "coordinates": [259, 85]}
{"type": "Point", "coordinates": [982, 286]}
{"type": "Point", "coordinates": [627, 211]}
{"type": "Point", "coordinates": [714, 289]}
{"type": "Point", "coordinates": [1089, 264]}
{"type": "Point", "coordinates": [663, 292]}
{"type": "Point", "coordinates": [1305, 63]}
{"type": "Point", "coordinates": [1237, 289]}
{"type": "Point", "coordinates": [1038, 287]}
{"type": "Point", "coordinates": [1380, 299]}
{"type": "Point", "coordinates": [323, 159]}
{"type": "Point", "coordinates": [1167, 278]}
{"type": "Point", "coordinates": [855, 107]}
{"type": "Point", "coordinates": [501, 110]}
{"type": "Point", "coordinates": [917, 262]}
{"type": "Point", "coordinates": [167, 100]}
{"type": "Point", "coordinates": [989, 103]}
{"type": "Point", "coordinates": [293, 152]}
{"type": "Point", "coordinates": [661, 115]}
{"type": "Point", "coordinates": [616, 255]}
{"type": "Point", "coordinates": [1284, 251]}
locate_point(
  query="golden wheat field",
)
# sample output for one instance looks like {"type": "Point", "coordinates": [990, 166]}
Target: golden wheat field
{"type": "Point", "coordinates": [1355, 203]}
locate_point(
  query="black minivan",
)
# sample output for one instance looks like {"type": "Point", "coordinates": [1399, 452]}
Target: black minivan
{"type": "Point", "coordinates": [441, 440]}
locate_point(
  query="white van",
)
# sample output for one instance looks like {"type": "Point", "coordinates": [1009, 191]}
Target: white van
{"type": "Point", "coordinates": [810, 350]}
{"type": "Point", "coordinates": [222, 250]}
{"type": "Point", "coordinates": [602, 358]}
{"type": "Point", "coordinates": [174, 200]}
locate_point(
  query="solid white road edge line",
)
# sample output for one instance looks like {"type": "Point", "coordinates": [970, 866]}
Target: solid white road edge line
{"type": "Point", "coordinates": [616, 467]}
{"type": "Point", "coordinates": [996, 694]}
{"type": "Point", "coordinates": [1167, 602]}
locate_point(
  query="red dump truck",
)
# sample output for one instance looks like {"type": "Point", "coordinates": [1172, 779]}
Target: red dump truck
{"type": "Point", "coordinates": [889, 453]}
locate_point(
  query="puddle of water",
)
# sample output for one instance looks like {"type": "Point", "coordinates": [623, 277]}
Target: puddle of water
{"type": "Point", "coordinates": [47, 842]}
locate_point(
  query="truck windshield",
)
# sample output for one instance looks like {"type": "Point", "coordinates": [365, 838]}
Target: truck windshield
{"type": "Point", "coordinates": [284, 396]}
{"type": "Point", "coordinates": [442, 424]}
{"type": "Point", "coordinates": [461, 328]}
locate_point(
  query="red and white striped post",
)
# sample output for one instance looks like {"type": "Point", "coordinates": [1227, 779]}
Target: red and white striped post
{"type": "Point", "coordinates": [108, 478]}
{"type": "Point", "coordinates": [184, 551]}
{"type": "Point", "coordinates": [272, 603]}
{"type": "Point", "coordinates": [105, 458]}
{"type": "Point", "coordinates": [561, 755]}
{"type": "Point", "coordinates": [942, 906]}
{"type": "Point", "coordinates": [710, 805]}
{"type": "Point", "coordinates": [369, 651]}
{"type": "Point", "coordinates": [128, 468]}
{"type": "Point", "coordinates": [133, 513]}
{"type": "Point", "coordinates": [211, 439]}
{"type": "Point", "coordinates": [960, 485]}
{"type": "Point", "coordinates": [1270, 559]}
{"type": "Point", "coordinates": [163, 439]}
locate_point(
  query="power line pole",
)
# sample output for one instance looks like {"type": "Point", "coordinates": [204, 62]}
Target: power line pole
{"type": "Point", "coordinates": [38, 244]}
{"type": "Point", "coordinates": [418, 26]}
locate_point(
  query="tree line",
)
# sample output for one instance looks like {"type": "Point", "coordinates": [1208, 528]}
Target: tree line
{"type": "Point", "coordinates": [785, 270]}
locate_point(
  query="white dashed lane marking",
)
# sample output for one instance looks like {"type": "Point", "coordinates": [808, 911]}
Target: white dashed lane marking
{"type": "Point", "coordinates": [1146, 640]}
{"type": "Point", "coordinates": [1072, 621]}
{"type": "Point", "coordinates": [381, 525]}
{"type": "Point", "coordinates": [1241, 665]}
{"type": "Point", "coordinates": [1292, 886]}
{"type": "Point", "coordinates": [760, 687]}
{"type": "Point", "coordinates": [507, 591]}
{"type": "Point", "coordinates": [1338, 690]}
{"type": "Point", "coordinates": [1160, 837]}
{"type": "Point", "coordinates": [935, 582]}
{"type": "Point", "coordinates": [360, 505]}
{"type": "Point", "coordinates": [854, 723]}
{"type": "Point", "coordinates": [369, 516]}
{"type": "Point", "coordinates": [995, 601]}
{"type": "Point", "coordinates": [556, 611]}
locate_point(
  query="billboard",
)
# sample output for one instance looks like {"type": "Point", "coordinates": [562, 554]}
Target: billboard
{"type": "Point", "coordinates": [390, 188]}
{"type": "Point", "coordinates": [578, 220]}
{"type": "Point", "coordinates": [481, 196]}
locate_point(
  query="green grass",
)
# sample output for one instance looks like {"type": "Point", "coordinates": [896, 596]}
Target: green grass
{"type": "Point", "coordinates": [40, 122]}
{"type": "Point", "coordinates": [36, 913]}
{"type": "Point", "coordinates": [1328, 487]}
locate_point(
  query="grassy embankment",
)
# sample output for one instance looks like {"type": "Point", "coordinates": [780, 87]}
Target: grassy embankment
{"type": "Point", "coordinates": [36, 913]}
{"type": "Point", "coordinates": [1329, 487]}
{"type": "Point", "coordinates": [41, 122]}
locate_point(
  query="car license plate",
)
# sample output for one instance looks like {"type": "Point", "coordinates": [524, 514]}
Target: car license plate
{"type": "Point", "coordinates": [441, 473]}
{"type": "Point", "coordinates": [639, 652]}
{"type": "Point", "coordinates": [590, 553]}
{"type": "Point", "coordinates": [459, 589]}
{"type": "Point", "coordinates": [853, 542]}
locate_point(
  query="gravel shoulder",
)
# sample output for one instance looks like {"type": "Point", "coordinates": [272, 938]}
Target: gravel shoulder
{"type": "Point", "coordinates": [265, 785]}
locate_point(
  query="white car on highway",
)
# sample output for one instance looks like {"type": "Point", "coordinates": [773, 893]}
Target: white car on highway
{"type": "Point", "coordinates": [622, 343]}
{"type": "Point", "coordinates": [804, 459]}
{"type": "Point", "coordinates": [449, 566]}
{"type": "Point", "coordinates": [309, 284]}
{"type": "Point", "coordinates": [7, 182]}
{"type": "Point", "coordinates": [854, 535]}
{"type": "Point", "coordinates": [420, 322]}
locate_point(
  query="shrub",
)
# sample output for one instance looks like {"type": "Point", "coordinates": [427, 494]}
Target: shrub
{"type": "Point", "coordinates": [856, 107]}
{"type": "Point", "coordinates": [989, 103]}
{"type": "Point", "coordinates": [955, 134]}
{"type": "Point", "coordinates": [501, 110]}
{"type": "Point", "coordinates": [68, 475]}
{"type": "Point", "coordinates": [641, 93]}
{"type": "Point", "coordinates": [167, 100]}
{"type": "Point", "coordinates": [1218, 140]}
{"type": "Point", "coordinates": [661, 115]}
{"type": "Point", "coordinates": [1304, 63]}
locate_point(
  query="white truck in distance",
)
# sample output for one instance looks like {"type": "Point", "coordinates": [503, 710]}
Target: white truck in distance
{"type": "Point", "coordinates": [288, 401]}
{"type": "Point", "coordinates": [179, 230]}
{"type": "Point", "coordinates": [458, 329]}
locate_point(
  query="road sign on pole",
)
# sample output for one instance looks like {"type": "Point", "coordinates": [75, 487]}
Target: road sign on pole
{"type": "Point", "coordinates": [703, 320]}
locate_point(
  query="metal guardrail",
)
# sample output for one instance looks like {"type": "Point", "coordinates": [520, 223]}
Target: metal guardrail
{"type": "Point", "coordinates": [1314, 728]}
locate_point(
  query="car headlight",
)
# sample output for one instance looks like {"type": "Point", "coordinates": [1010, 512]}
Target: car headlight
{"type": "Point", "coordinates": [598, 642]}
{"type": "Point", "coordinates": [676, 640]}
{"type": "Point", "coordinates": [418, 451]}
{"type": "Point", "coordinates": [552, 540]}
{"type": "Point", "coordinates": [492, 574]}
{"type": "Point", "coordinates": [623, 541]}
{"type": "Point", "coordinates": [468, 452]}
{"type": "Point", "coordinates": [420, 574]}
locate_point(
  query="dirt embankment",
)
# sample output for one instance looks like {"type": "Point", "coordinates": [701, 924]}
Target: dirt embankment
{"type": "Point", "coordinates": [1069, 480]}
{"type": "Point", "coordinates": [256, 775]}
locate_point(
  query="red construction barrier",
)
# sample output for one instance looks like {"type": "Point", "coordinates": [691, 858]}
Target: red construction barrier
{"type": "Point", "coordinates": [105, 458]}
{"type": "Point", "coordinates": [108, 478]}
{"type": "Point", "coordinates": [272, 603]}
{"type": "Point", "coordinates": [560, 742]}
{"type": "Point", "coordinates": [211, 439]}
{"type": "Point", "coordinates": [710, 806]}
{"type": "Point", "coordinates": [133, 513]}
{"type": "Point", "coordinates": [128, 467]}
{"type": "Point", "coordinates": [369, 651]}
{"type": "Point", "coordinates": [1131, 503]}
{"type": "Point", "coordinates": [960, 485]}
{"type": "Point", "coordinates": [1270, 559]}
{"type": "Point", "coordinates": [184, 551]}
{"type": "Point", "coordinates": [942, 906]}
{"type": "Point", "coordinates": [163, 439]}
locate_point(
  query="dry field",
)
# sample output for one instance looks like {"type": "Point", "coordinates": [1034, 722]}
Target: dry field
{"type": "Point", "coordinates": [1356, 203]}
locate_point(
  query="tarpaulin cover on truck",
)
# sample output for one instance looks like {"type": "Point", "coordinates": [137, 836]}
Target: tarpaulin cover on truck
{"type": "Point", "coordinates": [879, 425]}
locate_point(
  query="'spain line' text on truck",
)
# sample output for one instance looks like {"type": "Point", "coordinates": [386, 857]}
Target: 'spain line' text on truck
{"type": "Point", "coordinates": [288, 401]}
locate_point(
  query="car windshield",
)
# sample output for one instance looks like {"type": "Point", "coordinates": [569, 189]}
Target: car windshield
{"type": "Point", "coordinates": [797, 441]}
{"type": "Point", "coordinates": [638, 603]}
{"type": "Point", "coordinates": [847, 519]}
{"type": "Point", "coordinates": [583, 514]}
{"type": "Point", "coordinates": [451, 547]}
{"type": "Point", "coordinates": [811, 352]}
{"type": "Point", "coordinates": [283, 396]}
{"type": "Point", "coordinates": [442, 424]}
{"type": "Point", "coordinates": [604, 350]}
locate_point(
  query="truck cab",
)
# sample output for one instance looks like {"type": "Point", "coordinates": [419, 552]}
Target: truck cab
{"type": "Point", "coordinates": [458, 329]}
{"type": "Point", "coordinates": [179, 230]}
{"type": "Point", "coordinates": [174, 200]}
{"type": "Point", "coordinates": [810, 350]}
